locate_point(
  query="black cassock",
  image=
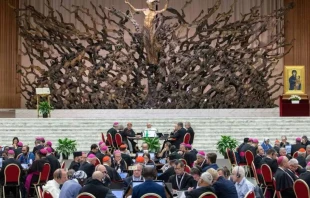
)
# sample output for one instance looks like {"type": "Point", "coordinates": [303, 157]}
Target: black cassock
{"type": "Point", "coordinates": [284, 183]}
{"type": "Point", "coordinates": [74, 165]}
{"type": "Point", "coordinates": [306, 177]}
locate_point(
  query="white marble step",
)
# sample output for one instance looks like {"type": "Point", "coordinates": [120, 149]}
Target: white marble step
{"type": "Point", "coordinates": [208, 130]}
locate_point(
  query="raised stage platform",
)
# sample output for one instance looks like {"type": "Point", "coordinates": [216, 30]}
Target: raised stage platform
{"type": "Point", "coordinates": [86, 125]}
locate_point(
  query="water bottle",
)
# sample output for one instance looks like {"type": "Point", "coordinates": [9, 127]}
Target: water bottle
{"type": "Point", "coordinates": [30, 161]}
{"type": "Point", "coordinates": [147, 133]}
{"type": "Point", "coordinates": [119, 171]}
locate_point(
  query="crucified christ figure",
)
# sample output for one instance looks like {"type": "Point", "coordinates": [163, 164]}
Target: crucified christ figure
{"type": "Point", "coordinates": [148, 30]}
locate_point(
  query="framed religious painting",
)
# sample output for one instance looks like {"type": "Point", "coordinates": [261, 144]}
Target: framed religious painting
{"type": "Point", "coordinates": [294, 80]}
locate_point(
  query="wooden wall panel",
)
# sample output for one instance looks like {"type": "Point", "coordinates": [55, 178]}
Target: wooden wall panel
{"type": "Point", "coordinates": [297, 26]}
{"type": "Point", "coordinates": [9, 96]}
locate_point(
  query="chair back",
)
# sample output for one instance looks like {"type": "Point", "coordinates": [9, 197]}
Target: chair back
{"type": "Point", "coordinates": [255, 173]}
{"type": "Point", "coordinates": [40, 192]}
{"type": "Point", "coordinates": [249, 157]}
{"type": "Point", "coordinates": [301, 189]}
{"type": "Point", "coordinates": [295, 155]}
{"type": "Point", "coordinates": [44, 174]}
{"type": "Point", "coordinates": [184, 161]}
{"type": "Point", "coordinates": [11, 174]}
{"type": "Point", "coordinates": [97, 162]}
{"type": "Point", "coordinates": [208, 195]}
{"type": "Point", "coordinates": [250, 194]}
{"type": "Point", "coordinates": [46, 194]}
{"type": "Point", "coordinates": [187, 138]}
{"type": "Point", "coordinates": [118, 139]}
{"type": "Point", "coordinates": [229, 156]}
{"type": "Point", "coordinates": [85, 195]}
{"type": "Point", "coordinates": [267, 174]}
{"type": "Point", "coordinates": [63, 165]}
{"type": "Point", "coordinates": [102, 137]}
{"type": "Point", "coordinates": [18, 156]}
{"type": "Point", "coordinates": [151, 195]}
{"type": "Point", "coordinates": [110, 139]}
{"type": "Point", "coordinates": [187, 169]}
{"type": "Point", "coordinates": [278, 193]}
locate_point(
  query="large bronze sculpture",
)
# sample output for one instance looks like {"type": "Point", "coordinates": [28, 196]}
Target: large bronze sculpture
{"type": "Point", "coordinates": [221, 64]}
{"type": "Point", "coordinates": [150, 43]}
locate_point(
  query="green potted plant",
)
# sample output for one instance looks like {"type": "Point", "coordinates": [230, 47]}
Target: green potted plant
{"type": "Point", "coordinates": [153, 143]}
{"type": "Point", "coordinates": [226, 142]}
{"type": "Point", "coordinates": [45, 108]}
{"type": "Point", "coordinates": [66, 147]}
{"type": "Point", "coordinates": [295, 99]}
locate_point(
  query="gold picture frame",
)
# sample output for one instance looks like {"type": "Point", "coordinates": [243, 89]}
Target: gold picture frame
{"type": "Point", "coordinates": [294, 80]}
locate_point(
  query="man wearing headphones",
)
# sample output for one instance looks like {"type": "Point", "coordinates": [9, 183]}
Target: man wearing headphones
{"type": "Point", "coordinates": [243, 186]}
{"type": "Point", "coordinates": [53, 186]}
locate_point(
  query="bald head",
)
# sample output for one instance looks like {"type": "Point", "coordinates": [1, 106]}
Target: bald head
{"type": "Point", "coordinates": [101, 168]}
{"type": "Point", "coordinates": [97, 175]}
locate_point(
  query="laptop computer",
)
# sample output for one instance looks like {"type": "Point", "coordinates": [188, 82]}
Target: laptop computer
{"type": "Point", "coordinates": [123, 175]}
{"type": "Point", "coordinates": [149, 133]}
{"type": "Point", "coordinates": [118, 193]}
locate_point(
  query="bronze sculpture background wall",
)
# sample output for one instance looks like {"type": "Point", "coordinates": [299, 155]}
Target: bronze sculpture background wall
{"type": "Point", "coordinates": [221, 65]}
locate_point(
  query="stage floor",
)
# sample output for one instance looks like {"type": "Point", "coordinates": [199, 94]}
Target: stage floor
{"type": "Point", "coordinates": [7, 113]}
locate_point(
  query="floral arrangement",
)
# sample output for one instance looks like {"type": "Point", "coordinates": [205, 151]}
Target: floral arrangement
{"type": "Point", "coordinates": [295, 97]}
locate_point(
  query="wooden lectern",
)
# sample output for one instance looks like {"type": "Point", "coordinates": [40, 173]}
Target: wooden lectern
{"type": "Point", "coordinates": [43, 93]}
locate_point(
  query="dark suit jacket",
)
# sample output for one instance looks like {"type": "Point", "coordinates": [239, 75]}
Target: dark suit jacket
{"type": "Point", "coordinates": [54, 165]}
{"type": "Point", "coordinates": [96, 188]}
{"type": "Point", "coordinates": [148, 186]}
{"type": "Point", "coordinates": [306, 177]}
{"type": "Point", "coordinates": [17, 151]}
{"type": "Point", "coordinates": [7, 162]}
{"type": "Point", "coordinates": [74, 165]}
{"type": "Point", "coordinates": [87, 168]}
{"type": "Point", "coordinates": [225, 188]}
{"type": "Point", "coordinates": [272, 163]}
{"type": "Point", "coordinates": [114, 176]}
{"type": "Point", "coordinates": [199, 191]}
{"type": "Point", "coordinates": [100, 156]}
{"type": "Point", "coordinates": [127, 159]}
{"type": "Point", "coordinates": [128, 180]}
{"type": "Point", "coordinates": [192, 133]}
{"type": "Point", "coordinates": [301, 161]}
{"type": "Point", "coordinates": [296, 147]}
{"type": "Point", "coordinates": [190, 157]}
{"type": "Point", "coordinates": [166, 175]}
{"type": "Point", "coordinates": [179, 136]}
{"type": "Point", "coordinates": [188, 181]}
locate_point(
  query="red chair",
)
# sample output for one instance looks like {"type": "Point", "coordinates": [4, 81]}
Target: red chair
{"type": "Point", "coordinates": [118, 139]}
{"type": "Point", "coordinates": [110, 140]}
{"type": "Point", "coordinates": [230, 157]}
{"type": "Point", "coordinates": [63, 165]}
{"type": "Point", "coordinates": [250, 195]}
{"type": "Point", "coordinates": [187, 169]}
{"type": "Point", "coordinates": [11, 177]}
{"type": "Point", "coordinates": [301, 189]}
{"type": "Point", "coordinates": [295, 155]}
{"type": "Point", "coordinates": [249, 158]}
{"type": "Point", "coordinates": [43, 177]}
{"type": "Point", "coordinates": [184, 161]}
{"type": "Point", "coordinates": [18, 156]}
{"type": "Point", "coordinates": [97, 162]}
{"type": "Point", "coordinates": [267, 177]}
{"type": "Point", "coordinates": [151, 195]}
{"type": "Point", "coordinates": [102, 137]}
{"type": "Point", "coordinates": [255, 174]}
{"type": "Point", "coordinates": [186, 138]}
{"type": "Point", "coordinates": [278, 193]}
{"type": "Point", "coordinates": [208, 195]}
{"type": "Point", "coordinates": [85, 195]}
{"type": "Point", "coordinates": [46, 194]}
{"type": "Point", "coordinates": [39, 190]}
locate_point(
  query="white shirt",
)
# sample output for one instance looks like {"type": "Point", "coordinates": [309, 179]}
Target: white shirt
{"type": "Point", "coordinates": [52, 187]}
